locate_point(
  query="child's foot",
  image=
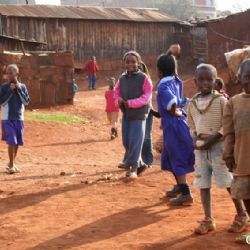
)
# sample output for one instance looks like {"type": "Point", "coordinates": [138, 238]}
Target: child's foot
{"type": "Point", "coordinates": [132, 173]}
{"type": "Point", "coordinates": [10, 170]}
{"type": "Point", "coordinates": [244, 239]}
{"type": "Point", "coordinates": [113, 135]}
{"type": "Point", "coordinates": [174, 192]}
{"type": "Point", "coordinates": [143, 167]}
{"type": "Point", "coordinates": [205, 226]}
{"type": "Point", "coordinates": [240, 224]}
{"type": "Point", "coordinates": [116, 133]}
{"type": "Point", "coordinates": [182, 200]}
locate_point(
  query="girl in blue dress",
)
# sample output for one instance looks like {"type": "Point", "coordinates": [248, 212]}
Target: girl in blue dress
{"type": "Point", "coordinates": [178, 150]}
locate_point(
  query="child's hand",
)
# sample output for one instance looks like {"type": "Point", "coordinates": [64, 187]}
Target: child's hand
{"type": "Point", "coordinates": [178, 113]}
{"type": "Point", "coordinates": [210, 141]}
{"type": "Point", "coordinates": [230, 162]}
{"type": "Point", "coordinates": [12, 86]}
{"type": "Point", "coordinates": [125, 103]}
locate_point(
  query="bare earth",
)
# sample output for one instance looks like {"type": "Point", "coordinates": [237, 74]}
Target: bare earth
{"type": "Point", "coordinates": [40, 209]}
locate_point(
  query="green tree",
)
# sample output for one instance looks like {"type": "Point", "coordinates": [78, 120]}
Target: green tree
{"type": "Point", "coordinates": [182, 9]}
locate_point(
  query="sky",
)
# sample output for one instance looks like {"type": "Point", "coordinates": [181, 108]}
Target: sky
{"type": "Point", "coordinates": [233, 5]}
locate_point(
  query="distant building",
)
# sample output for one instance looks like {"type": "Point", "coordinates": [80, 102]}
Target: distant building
{"type": "Point", "coordinates": [206, 8]}
{"type": "Point", "coordinates": [16, 1]}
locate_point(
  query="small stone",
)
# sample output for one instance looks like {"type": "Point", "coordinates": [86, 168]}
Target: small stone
{"type": "Point", "coordinates": [63, 173]}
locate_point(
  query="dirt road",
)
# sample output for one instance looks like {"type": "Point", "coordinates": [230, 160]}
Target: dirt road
{"type": "Point", "coordinates": [41, 209]}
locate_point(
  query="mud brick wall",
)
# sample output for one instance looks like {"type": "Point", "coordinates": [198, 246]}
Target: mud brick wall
{"type": "Point", "coordinates": [48, 76]}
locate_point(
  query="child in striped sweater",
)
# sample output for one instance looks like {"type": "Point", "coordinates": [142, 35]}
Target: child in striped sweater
{"type": "Point", "coordinates": [205, 113]}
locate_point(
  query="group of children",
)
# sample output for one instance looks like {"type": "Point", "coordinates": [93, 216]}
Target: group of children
{"type": "Point", "coordinates": [210, 139]}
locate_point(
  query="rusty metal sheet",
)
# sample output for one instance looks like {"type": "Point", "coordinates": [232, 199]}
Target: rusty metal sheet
{"type": "Point", "coordinates": [88, 13]}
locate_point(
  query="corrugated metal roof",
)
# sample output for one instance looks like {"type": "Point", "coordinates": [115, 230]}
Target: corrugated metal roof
{"type": "Point", "coordinates": [88, 13]}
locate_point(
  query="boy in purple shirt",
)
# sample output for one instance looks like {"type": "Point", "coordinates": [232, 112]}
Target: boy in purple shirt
{"type": "Point", "coordinates": [13, 97]}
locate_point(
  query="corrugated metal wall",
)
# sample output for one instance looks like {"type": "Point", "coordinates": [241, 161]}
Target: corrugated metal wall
{"type": "Point", "coordinates": [104, 39]}
{"type": "Point", "coordinates": [223, 35]}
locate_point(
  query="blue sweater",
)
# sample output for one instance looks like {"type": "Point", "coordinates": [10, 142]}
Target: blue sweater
{"type": "Point", "coordinates": [12, 102]}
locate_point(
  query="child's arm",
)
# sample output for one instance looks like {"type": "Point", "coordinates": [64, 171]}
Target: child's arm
{"type": "Point", "coordinates": [5, 94]}
{"type": "Point", "coordinates": [23, 94]}
{"type": "Point", "coordinates": [229, 136]}
{"type": "Point", "coordinates": [155, 113]}
{"type": "Point", "coordinates": [119, 102]}
{"type": "Point", "coordinates": [145, 98]}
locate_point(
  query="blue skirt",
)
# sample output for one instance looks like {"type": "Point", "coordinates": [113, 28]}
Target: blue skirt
{"type": "Point", "coordinates": [178, 150]}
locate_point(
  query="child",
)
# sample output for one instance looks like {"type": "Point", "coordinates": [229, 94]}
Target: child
{"type": "Point", "coordinates": [111, 108]}
{"type": "Point", "coordinates": [92, 68]}
{"type": "Point", "coordinates": [219, 86]}
{"type": "Point", "coordinates": [236, 125]}
{"type": "Point", "coordinates": [13, 97]}
{"type": "Point", "coordinates": [178, 152]}
{"type": "Point", "coordinates": [147, 148]}
{"type": "Point", "coordinates": [205, 113]}
{"type": "Point", "coordinates": [133, 93]}
{"type": "Point", "coordinates": [74, 88]}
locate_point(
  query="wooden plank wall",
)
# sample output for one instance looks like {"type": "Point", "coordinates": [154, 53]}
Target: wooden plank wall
{"type": "Point", "coordinates": [107, 40]}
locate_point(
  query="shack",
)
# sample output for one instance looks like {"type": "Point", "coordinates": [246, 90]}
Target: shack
{"type": "Point", "coordinates": [104, 32]}
{"type": "Point", "coordinates": [212, 38]}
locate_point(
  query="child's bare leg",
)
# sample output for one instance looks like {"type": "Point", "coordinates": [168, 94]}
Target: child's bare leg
{"type": "Point", "coordinates": [11, 152]}
{"type": "Point", "coordinates": [238, 205]}
{"type": "Point", "coordinates": [206, 202]}
{"type": "Point", "coordinates": [181, 179]}
{"type": "Point", "coordinates": [16, 150]}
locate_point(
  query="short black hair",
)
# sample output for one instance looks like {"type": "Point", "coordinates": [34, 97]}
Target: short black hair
{"type": "Point", "coordinates": [243, 65]}
{"type": "Point", "coordinates": [133, 53]}
{"type": "Point", "coordinates": [204, 66]}
{"type": "Point", "coordinates": [167, 64]}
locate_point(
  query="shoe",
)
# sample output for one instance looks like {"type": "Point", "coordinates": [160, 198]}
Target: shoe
{"type": "Point", "coordinates": [131, 174]}
{"type": "Point", "coordinates": [205, 226]}
{"type": "Point", "coordinates": [182, 200]}
{"type": "Point", "coordinates": [116, 133]}
{"type": "Point", "coordinates": [123, 166]}
{"type": "Point", "coordinates": [243, 239]}
{"type": "Point", "coordinates": [113, 134]}
{"type": "Point", "coordinates": [143, 167]}
{"type": "Point", "coordinates": [240, 224]}
{"type": "Point", "coordinates": [11, 170]}
{"type": "Point", "coordinates": [174, 192]}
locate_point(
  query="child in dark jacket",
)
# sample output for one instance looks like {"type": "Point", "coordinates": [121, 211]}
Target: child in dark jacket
{"type": "Point", "coordinates": [133, 93]}
{"type": "Point", "coordinates": [13, 97]}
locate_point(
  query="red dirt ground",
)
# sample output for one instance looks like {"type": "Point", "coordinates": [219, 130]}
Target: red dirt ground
{"type": "Point", "coordinates": [40, 209]}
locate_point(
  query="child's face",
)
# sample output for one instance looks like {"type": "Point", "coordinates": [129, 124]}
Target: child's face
{"type": "Point", "coordinates": [12, 75]}
{"type": "Point", "coordinates": [245, 78]}
{"type": "Point", "coordinates": [131, 63]}
{"type": "Point", "coordinates": [205, 79]}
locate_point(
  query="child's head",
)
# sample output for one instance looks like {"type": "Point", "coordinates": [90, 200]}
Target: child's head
{"type": "Point", "coordinates": [93, 58]}
{"type": "Point", "coordinates": [219, 84]}
{"type": "Point", "coordinates": [111, 82]}
{"type": "Point", "coordinates": [205, 77]}
{"type": "Point", "coordinates": [132, 59]}
{"type": "Point", "coordinates": [12, 72]}
{"type": "Point", "coordinates": [166, 65]}
{"type": "Point", "coordinates": [244, 75]}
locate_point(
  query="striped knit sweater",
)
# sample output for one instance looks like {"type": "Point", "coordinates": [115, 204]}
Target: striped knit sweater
{"type": "Point", "coordinates": [205, 114]}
